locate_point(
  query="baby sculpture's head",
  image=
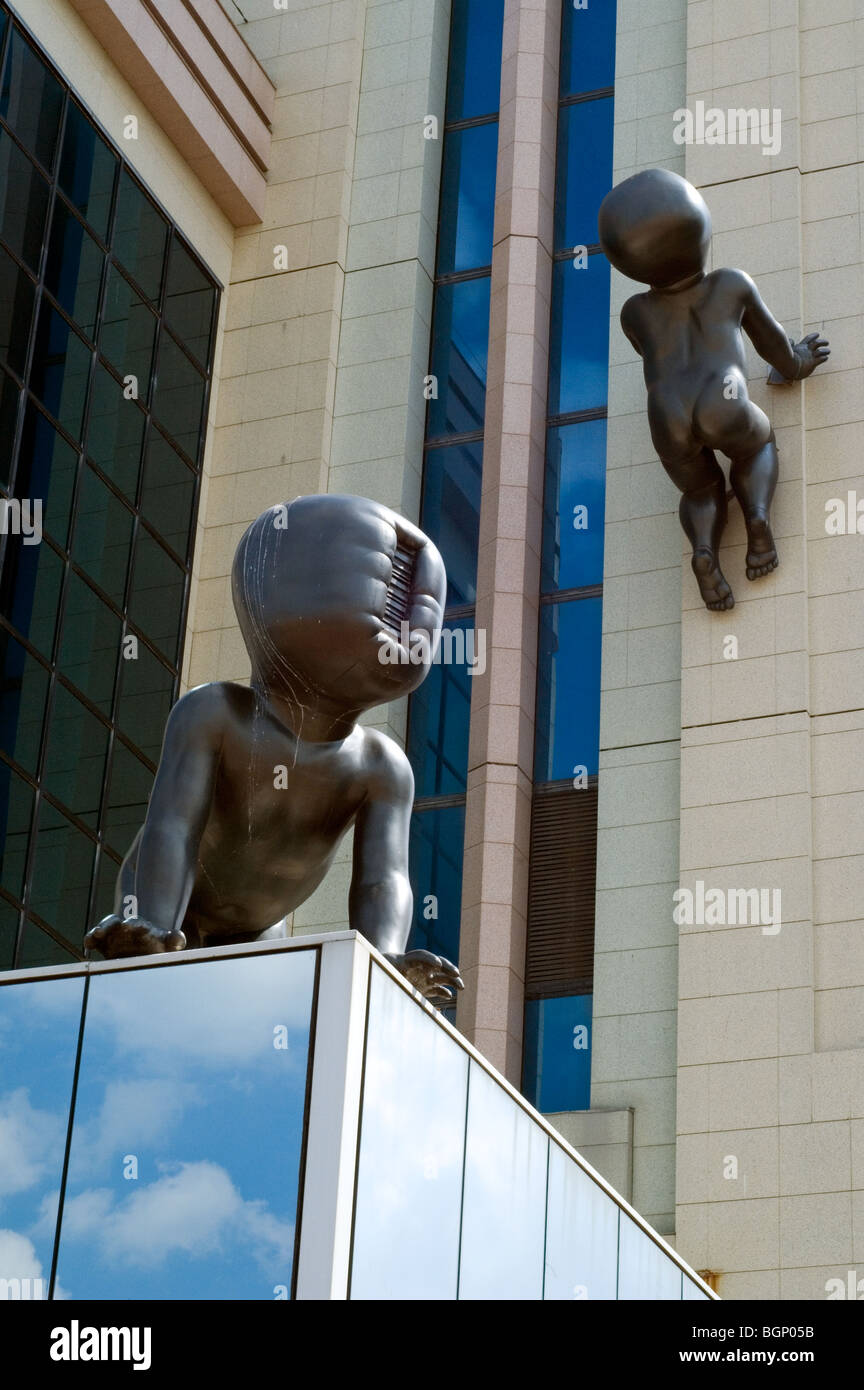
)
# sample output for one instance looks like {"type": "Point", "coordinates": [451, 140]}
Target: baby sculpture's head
{"type": "Point", "coordinates": [655, 227]}
{"type": "Point", "coordinates": [321, 584]}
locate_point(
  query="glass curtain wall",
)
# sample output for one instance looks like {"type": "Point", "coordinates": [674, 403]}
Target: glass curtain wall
{"type": "Point", "coordinates": [106, 334]}
{"type": "Point", "coordinates": [450, 511]}
{"type": "Point", "coordinates": [558, 1016]}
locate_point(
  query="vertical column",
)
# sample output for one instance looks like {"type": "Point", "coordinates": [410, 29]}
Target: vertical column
{"type": "Point", "coordinates": [745, 1022]}
{"type": "Point", "coordinates": [501, 752]}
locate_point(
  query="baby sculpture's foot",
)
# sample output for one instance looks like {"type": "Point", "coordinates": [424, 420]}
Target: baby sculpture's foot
{"type": "Point", "coordinates": [761, 551]}
{"type": "Point", "coordinates": [712, 586]}
{"type": "Point", "coordinates": [434, 976]}
{"type": "Point", "coordinates": [117, 938]}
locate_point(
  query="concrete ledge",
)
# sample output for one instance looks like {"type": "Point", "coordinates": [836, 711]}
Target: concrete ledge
{"type": "Point", "coordinates": [201, 83]}
{"type": "Point", "coordinates": [605, 1139]}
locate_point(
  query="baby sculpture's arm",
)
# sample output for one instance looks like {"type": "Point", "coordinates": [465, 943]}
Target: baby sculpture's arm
{"type": "Point", "coordinates": [168, 848]}
{"type": "Point", "coordinates": [792, 361]}
{"type": "Point", "coordinates": [380, 900]}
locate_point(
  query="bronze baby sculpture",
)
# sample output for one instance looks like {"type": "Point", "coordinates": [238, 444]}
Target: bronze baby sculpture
{"type": "Point", "coordinates": [257, 784]}
{"type": "Point", "coordinates": [688, 329]}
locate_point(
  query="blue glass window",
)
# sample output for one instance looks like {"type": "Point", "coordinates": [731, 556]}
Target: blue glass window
{"type": "Point", "coordinates": [451, 514]}
{"type": "Point", "coordinates": [23, 693]}
{"type": "Point", "coordinates": [95, 284]}
{"type": "Point", "coordinates": [584, 170]}
{"type": "Point", "coordinates": [31, 100]}
{"type": "Point", "coordinates": [459, 351]}
{"type": "Point", "coordinates": [574, 505]}
{"type": "Point", "coordinates": [568, 689]}
{"type": "Point", "coordinates": [440, 709]}
{"type": "Point", "coordinates": [467, 198]}
{"type": "Point", "coordinates": [184, 1165]}
{"type": "Point", "coordinates": [23, 202]}
{"type": "Point", "coordinates": [558, 1053]}
{"type": "Point", "coordinates": [39, 1025]}
{"type": "Point", "coordinates": [437, 851]}
{"type": "Point", "coordinates": [474, 74]}
{"type": "Point", "coordinates": [587, 46]}
{"type": "Point", "coordinates": [579, 336]}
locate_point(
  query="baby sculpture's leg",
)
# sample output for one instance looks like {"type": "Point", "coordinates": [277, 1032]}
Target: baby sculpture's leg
{"type": "Point", "coordinates": [703, 515]}
{"type": "Point", "coordinates": [753, 480]}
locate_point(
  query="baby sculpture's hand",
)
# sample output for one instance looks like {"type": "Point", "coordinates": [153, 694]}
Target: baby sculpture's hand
{"type": "Point", "coordinates": [429, 974]}
{"type": "Point", "coordinates": [118, 937]}
{"type": "Point", "coordinates": [810, 352]}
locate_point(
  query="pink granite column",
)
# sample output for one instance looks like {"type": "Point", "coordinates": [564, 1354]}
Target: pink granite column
{"type": "Point", "coordinates": [501, 756]}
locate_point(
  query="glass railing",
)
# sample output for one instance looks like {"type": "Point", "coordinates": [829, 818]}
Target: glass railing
{"type": "Point", "coordinates": [280, 1122]}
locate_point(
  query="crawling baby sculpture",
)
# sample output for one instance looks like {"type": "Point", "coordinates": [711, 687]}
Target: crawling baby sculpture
{"type": "Point", "coordinates": [257, 784]}
{"type": "Point", "coordinates": [688, 329]}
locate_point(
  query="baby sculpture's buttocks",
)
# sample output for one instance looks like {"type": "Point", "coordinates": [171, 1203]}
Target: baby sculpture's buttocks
{"type": "Point", "coordinates": [688, 329]}
{"type": "Point", "coordinates": [257, 785]}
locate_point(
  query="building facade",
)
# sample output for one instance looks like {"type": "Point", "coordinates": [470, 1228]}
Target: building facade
{"type": "Point", "coordinates": [256, 249]}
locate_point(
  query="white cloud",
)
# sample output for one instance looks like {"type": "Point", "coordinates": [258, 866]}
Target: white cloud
{"type": "Point", "coordinates": [194, 1209]}
{"type": "Point", "coordinates": [28, 1139]}
{"type": "Point", "coordinates": [18, 1258]}
{"type": "Point", "coordinates": [134, 1115]}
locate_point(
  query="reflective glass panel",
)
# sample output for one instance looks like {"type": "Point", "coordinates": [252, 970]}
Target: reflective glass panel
{"type": "Point", "coordinates": [115, 432]}
{"type": "Point", "coordinates": [437, 850]}
{"type": "Point", "coordinates": [9, 919]}
{"type": "Point", "coordinates": [178, 396]}
{"type": "Point", "coordinates": [583, 171]}
{"type": "Point", "coordinates": [451, 514]}
{"type": "Point", "coordinates": [168, 493]}
{"type": "Point", "coordinates": [89, 643]}
{"type": "Point", "coordinates": [103, 532]}
{"type": "Point", "coordinates": [467, 198]}
{"type": "Point", "coordinates": [140, 236]}
{"type": "Point", "coordinates": [644, 1269]}
{"type": "Point", "coordinates": [574, 506]}
{"type": "Point", "coordinates": [185, 1158]}
{"type": "Point", "coordinates": [581, 1234]}
{"type": "Point", "coordinates": [39, 1026]}
{"type": "Point", "coordinates": [459, 349]}
{"type": "Point", "coordinates": [128, 790]}
{"type": "Point", "coordinates": [438, 726]}
{"type": "Point", "coordinates": [504, 1196]}
{"type": "Point", "coordinates": [156, 598]}
{"type": "Point", "coordinates": [558, 1053]}
{"type": "Point", "coordinates": [579, 336]}
{"type": "Point", "coordinates": [128, 332]}
{"type": "Point", "coordinates": [31, 100]}
{"type": "Point", "coordinates": [75, 760]}
{"type": "Point", "coordinates": [23, 203]}
{"type": "Point", "coordinates": [73, 268]}
{"type": "Point", "coordinates": [474, 74]}
{"type": "Point", "coordinates": [588, 47]}
{"type": "Point", "coordinates": [60, 370]}
{"type": "Point", "coordinates": [409, 1178]}
{"type": "Point", "coordinates": [62, 869]}
{"type": "Point", "coordinates": [9, 394]}
{"type": "Point", "coordinates": [87, 170]}
{"type": "Point", "coordinates": [16, 312]}
{"type": "Point", "coordinates": [23, 691]}
{"type": "Point", "coordinates": [568, 689]}
{"type": "Point", "coordinates": [189, 298]}
{"type": "Point", "coordinates": [32, 578]}
{"type": "Point", "coordinates": [16, 808]}
{"type": "Point", "coordinates": [40, 948]}
{"type": "Point", "coordinates": [47, 465]}
{"type": "Point", "coordinates": [146, 693]}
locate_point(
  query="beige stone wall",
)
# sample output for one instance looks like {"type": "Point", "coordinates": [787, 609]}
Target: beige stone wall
{"type": "Point", "coordinates": [635, 964]}
{"type": "Point", "coordinates": [771, 1040]}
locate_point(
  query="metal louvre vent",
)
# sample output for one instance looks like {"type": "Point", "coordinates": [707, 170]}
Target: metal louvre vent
{"type": "Point", "coordinates": [561, 891]}
{"type": "Point", "coordinates": [398, 600]}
